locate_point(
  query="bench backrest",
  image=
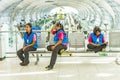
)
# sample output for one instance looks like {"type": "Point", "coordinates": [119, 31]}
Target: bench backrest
{"type": "Point", "coordinates": [42, 40]}
{"type": "Point", "coordinates": [76, 40]}
{"type": "Point", "coordinates": [114, 40]}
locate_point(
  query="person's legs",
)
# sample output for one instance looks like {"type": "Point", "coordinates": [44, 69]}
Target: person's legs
{"type": "Point", "coordinates": [91, 47]}
{"type": "Point", "coordinates": [49, 47]}
{"type": "Point", "coordinates": [99, 48]}
{"type": "Point", "coordinates": [20, 55]}
{"type": "Point", "coordinates": [54, 55]}
{"type": "Point", "coordinates": [104, 45]}
{"type": "Point", "coordinates": [26, 54]}
{"type": "Point", "coordinates": [62, 50]}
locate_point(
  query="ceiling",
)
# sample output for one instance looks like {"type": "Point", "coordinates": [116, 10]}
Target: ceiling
{"type": "Point", "coordinates": [102, 11]}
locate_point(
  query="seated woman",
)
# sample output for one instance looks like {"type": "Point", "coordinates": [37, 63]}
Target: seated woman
{"type": "Point", "coordinates": [30, 44]}
{"type": "Point", "coordinates": [96, 40]}
{"type": "Point", "coordinates": [61, 43]}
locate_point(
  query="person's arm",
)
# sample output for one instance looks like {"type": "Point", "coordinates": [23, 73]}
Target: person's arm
{"type": "Point", "coordinates": [58, 43]}
{"type": "Point", "coordinates": [23, 44]}
{"type": "Point", "coordinates": [104, 41]}
{"type": "Point", "coordinates": [90, 41]}
{"type": "Point", "coordinates": [60, 36]}
{"type": "Point", "coordinates": [34, 40]}
{"type": "Point", "coordinates": [32, 44]}
{"type": "Point", "coordinates": [94, 44]}
{"type": "Point", "coordinates": [53, 31]}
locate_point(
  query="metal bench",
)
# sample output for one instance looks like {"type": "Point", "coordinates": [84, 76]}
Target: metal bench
{"type": "Point", "coordinates": [77, 40]}
{"type": "Point", "coordinates": [114, 42]}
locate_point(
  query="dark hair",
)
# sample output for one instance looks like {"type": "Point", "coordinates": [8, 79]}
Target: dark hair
{"type": "Point", "coordinates": [29, 24]}
{"type": "Point", "coordinates": [96, 29]}
{"type": "Point", "coordinates": [59, 24]}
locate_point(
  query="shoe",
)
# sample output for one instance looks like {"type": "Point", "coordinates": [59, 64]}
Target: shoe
{"type": "Point", "coordinates": [21, 62]}
{"type": "Point", "coordinates": [48, 67]}
{"type": "Point", "coordinates": [62, 51]}
{"type": "Point", "coordinates": [24, 64]}
{"type": "Point", "coordinates": [103, 50]}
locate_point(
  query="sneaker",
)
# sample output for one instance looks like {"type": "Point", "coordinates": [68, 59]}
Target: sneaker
{"type": "Point", "coordinates": [103, 50]}
{"type": "Point", "coordinates": [21, 62]}
{"type": "Point", "coordinates": [24, 64]}
{"type": "Point", "coordinates": [48, 67]}
{"type": "Point", "coordinates": [62, 51]}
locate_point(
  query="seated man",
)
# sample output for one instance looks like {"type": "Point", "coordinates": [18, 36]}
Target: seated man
{"type": "Point", "coordinates": [30, 44]}
{"type": "Point", "coordinates": [96, 40]}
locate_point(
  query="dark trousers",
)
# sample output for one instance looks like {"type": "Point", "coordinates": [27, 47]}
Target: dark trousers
{"type": "Point", "coordinates": [24, 55]}
{"type": "Point", "coordinates": [96, 48]}
{"type": "Point", "coordinates": [55, 52]}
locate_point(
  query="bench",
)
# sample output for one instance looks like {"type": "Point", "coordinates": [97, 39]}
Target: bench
{"type": "Point", "coordinates": [77, 40]}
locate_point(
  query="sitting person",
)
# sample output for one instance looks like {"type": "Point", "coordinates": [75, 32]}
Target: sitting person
{"type": "Point", "coordinates": [96, 40]}
{"type": "Point", "coordinates": [61, 43]}
{"type": "Point", "coordinates": [30, 44]}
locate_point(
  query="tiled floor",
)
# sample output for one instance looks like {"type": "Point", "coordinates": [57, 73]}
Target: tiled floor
{"type": "Point", "coordinates": [66, 68]}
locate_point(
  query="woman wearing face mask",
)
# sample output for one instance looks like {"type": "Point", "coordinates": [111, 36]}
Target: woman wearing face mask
{"type": "Point", "coordinates": [96, 40]}
{"type": "Point", "coordinates": [60, 43]}
{"type": "Point", "coordinates": [30, 44]}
